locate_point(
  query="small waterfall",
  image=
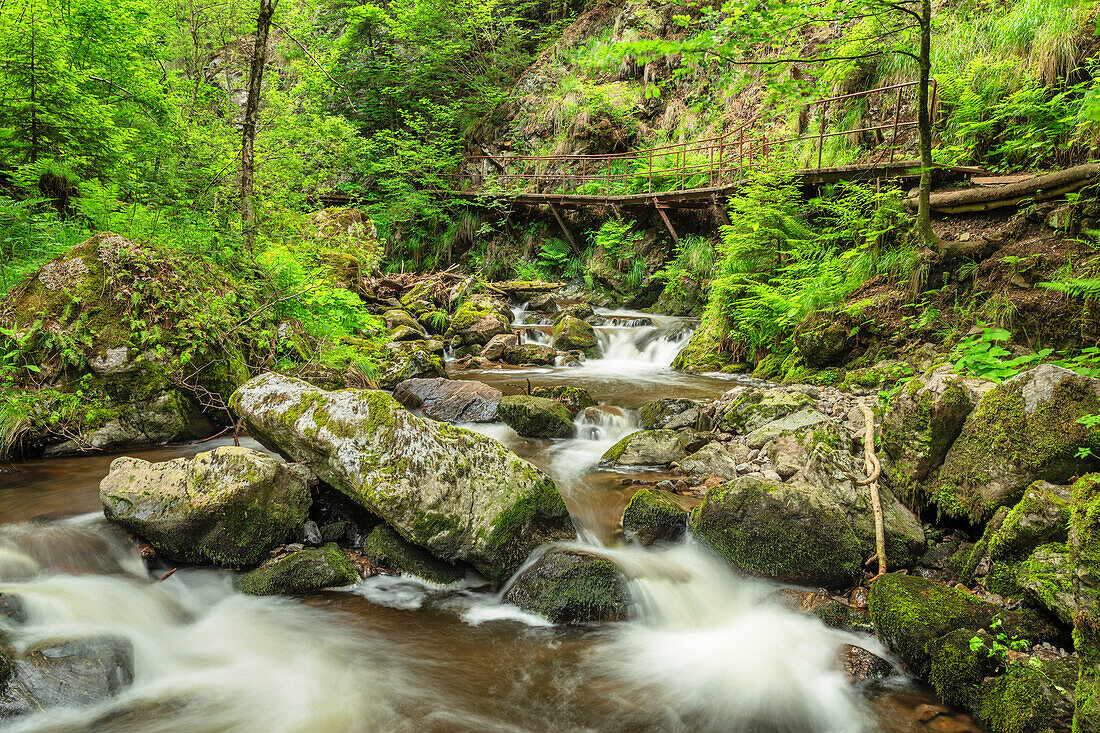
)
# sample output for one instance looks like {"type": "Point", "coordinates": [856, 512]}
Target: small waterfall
{"type": "Point", "coordinates": [636, 340]}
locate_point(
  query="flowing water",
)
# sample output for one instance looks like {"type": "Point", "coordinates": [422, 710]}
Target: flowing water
{"type": "Point", "coordinates": [706, 649]}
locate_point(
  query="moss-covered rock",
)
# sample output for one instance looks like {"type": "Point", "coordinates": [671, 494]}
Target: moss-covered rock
{"type": "Point", "coordinates": [786, 531]}
{"type": "Point", "coordinates": [574, 398]}
{"type": "Point", "coordinates": [569, 586]}
{"type": "Point", "coordinates": [920, 424]}
{"type": "Point", "coordinates": [385, 548]}
{"type": "Point", "coordinates": [479, 319]}
{"type": "Point", "coordinates": [956, 670]}
{"type": "Point", "coordinates": [460, 495]}
{"type": "Point", "coordinates": [830, 611]}
{"type": "Point", "coordinates": [706, 351]}
{"type": "Point", "coordinates": [646, 448]}
{"type": "Point", "coordinates": [658, 413]}
{"type": "Point", "coordinates": [574, 334]}
{"type": "Point", "coordinates": [580, 311]}
{"type": "Point", "coordinates": [228, 506]}
{"type": "Point", "coordinates": [1039, 518]}
{"type": "Point", "coordinates": [910, 612]}
{"type": "Point", "coordinates": [522, 354]}
{"type": "Point", "coordinates": [1085, 552]}
{"type": "Point", "coordinates": [754, 408]}
{"type": "Point", "coordinates": [826, 339]}
{"type": "Point", "coordinates": [536, 417]}
{"type": "Point", "coordinates": [394, 318]}
{"type": "Point", "coordinates": [299, 572]}
{"type": "Point", "coordinates": [654, 516]}
{"type": "Point", "coordinates": [408, 360]}
{"type": "Point", "coordinates": [711, 460]}
{"type": "Point", "coordinates": [1023, 430]}
{"type": "Point", "coordinates": [1047, 576]}
{"type": "Point", "coordinates": [1035, 696]}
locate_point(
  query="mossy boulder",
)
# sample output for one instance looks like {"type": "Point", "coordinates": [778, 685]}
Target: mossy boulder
{"type": "Point", "coordinates": [303, 571]}
{"type": "Point", "coordinates": [706, 351]}
{"type": "Point", "coordinates": [450, 400]}
{"type": "Point", "coordinates": [1040, 517]}
{"type": "Point", "coordinates": [956, 670]}
{"type": "Point", "coordinates": [711, 460]}
{"type": "Point", "coordinates": [920, 425]}
{"type": "Point", "coordinates": [573, 334]}
{"type": "Point", "coordinates": [1023, 430]}
{"type": "Point", "coordinates": [654, 516]}
{"type": "Point", "coordinates": [1047, 576]}
{"type": "Point", "coordinates": [396, 318]}
{"type": "Point", "coordinates": [460, 495]}
{"type": "Point", "coordinates": [228, 506]}
{"type": "Point", "coordinates": [385, 548]}
{"type": "Point", "coordinates": [408, 360]}
{"type": "Point", "coordinates": [750, 409]}
{"type": "Point", "coordinates": [1031, 695]}
{"type": "Point", "coordinates": [570, 586]}
{"type": "Point", "coordinates": [574, 398]}
{"type": "Point", "coordinates": [805, 421]}
{"type": "Point", "coordinates": [1085, 553]}
{"type": "Point", "coordinates": [479, 319]}
{"type": "Point", "coordinates": [523, 354]}
{"type": "Point", "coordinates": [786, 531]}
{"type": "Point", "coordinates": [536, 417]}
{"type": "Point", "coordinates": [673, 413]}
{"type": "Point", "coordinates": [910, 612]}
{"type": "Point", "coordinates": [580, 311]}
{"type": "Point", "coordinates": [826, 338]}
{"type": "Point", "coordinates": [646, 448]}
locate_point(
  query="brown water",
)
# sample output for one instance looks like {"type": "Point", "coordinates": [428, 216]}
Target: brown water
{"type": "Point", "coordinates": [706, 650]}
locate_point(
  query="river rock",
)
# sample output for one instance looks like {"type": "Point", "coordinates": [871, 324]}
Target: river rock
{"type": "Point", "coordinates": [299, 572]}
{"type": "Point", "coordinates": [787, 531]}
{"type": "Point", "coordinates": [860, 665]}
{"type": "Point", "coordinates": [1085, 553]}
{"type": "Point", "coordinates": [580, 311]}
{"type": "Point", "coordinates": [387, 549]}
{"type": "Point", "coordinates": [921, 423]}
{"type": "Point", "coordinates": [494, 350]}
{"type": "Point", "coordinates": [657, 414]}
{"type": "Point", "coordinates": [538, 354]}
{"type": "Point", "coordinates": [794, 423]}
{"type": "Point", "coordinates": [654, 516]}
{"type": "Point", "coordinates": [646, 448]}
{"type": "Point", "coordinates": [743, 410]}
{"type": "Point", "coordinates": [1047, 577]}
{"type": "Point", "coordinates": [460, 495]}
{"type": "Point", "coordinates": [825, 608]}
{"type": "Point", "coordinates": [408, 360]}
{"type": "Point", "coordinates": [1040, 517]}
{"type": "Point", "coordinates": [64, 674]}
{"type": "Point", "coordinates": [574, 398]}
{"type": "Point", "coordinates": [479, 319]}
{"type": "Point", "coordinates": [536, 417]}
{"type": "Point", "coordinates": [711, 460]}
{"type": "Point", "coordinates": [1023, 430]}
{"type": "Point", "coordinates": [450, 400]}
{"type": "Point", "coordinates": [543, 303]}
{"type": "Point", "coordinates": [570, 586]}
{"type": "Point", "coordinates": [395, 318]}
{"type": "Point", "coordinates": [574, 334]}
{"type": "Point", "coordinates": [228, 506]}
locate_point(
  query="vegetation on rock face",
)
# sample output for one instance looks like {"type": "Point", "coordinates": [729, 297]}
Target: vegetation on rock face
{"type": "Point", "coordinates": [653, 516]}
{"type": "Point", "coordinates": [302, 571]}
{"type": "Point", "coordinates": [568, 586]}
{"type": "Point", "coordinates": [536, 417]}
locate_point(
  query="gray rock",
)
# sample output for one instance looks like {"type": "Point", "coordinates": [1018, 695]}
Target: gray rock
{"type": "Point", "coordinates": [570, 586]}
{"type": "Point", "coordinates": [450, 400]}
{"type": "Point", "coordinates": [710, 460]}
{"type": "Point", "coordinates": [796, 422]}
{"type": "Point", "coordinates": [498, 344]}
{"type": "Point", "coordinates": [646, 448]}
{"type": "Point", "coordinates": [65, 674]}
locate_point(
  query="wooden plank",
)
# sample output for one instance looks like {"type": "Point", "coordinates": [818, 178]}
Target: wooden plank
{"type": "Point", "coordinates": [565, 230]}
{"type": "Point", "coordinates": [668, 224]}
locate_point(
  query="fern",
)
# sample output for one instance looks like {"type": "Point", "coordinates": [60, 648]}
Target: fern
{"type": "Point", "coordinates": [1089, 289]}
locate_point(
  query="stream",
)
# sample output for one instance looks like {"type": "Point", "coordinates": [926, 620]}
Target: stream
{"type": "Point", "coordinates": [706, 650]}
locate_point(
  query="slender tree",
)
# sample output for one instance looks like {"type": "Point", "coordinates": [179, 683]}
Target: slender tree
{"type": "Point", "coordinates": [251, 117]}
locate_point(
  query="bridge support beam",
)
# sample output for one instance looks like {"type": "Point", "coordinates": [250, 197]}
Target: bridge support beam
{"type": "Point", "coordinates": [668, 223]}
{"type": "Point", "coordinates": [564, 229]}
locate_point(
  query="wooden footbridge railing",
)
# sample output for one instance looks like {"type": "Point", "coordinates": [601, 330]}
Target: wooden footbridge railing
{"type": "Point", "coordinates": [678, 174]}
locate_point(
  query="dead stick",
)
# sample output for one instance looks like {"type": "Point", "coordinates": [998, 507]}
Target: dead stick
{"type": "Point", "coordinates": [167, 575]}
{"type": "Point", "coordinates": [873, 468]}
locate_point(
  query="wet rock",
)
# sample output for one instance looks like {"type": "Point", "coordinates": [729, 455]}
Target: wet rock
{"type": "Point", "coordinates": [479, 319]}
{"type": "Point", "coordinates": [574, 398]}
{"type": "Point", "coordinates": [536, 417]}
{"type": "Point", "coordinates": [543, 303]}
{"type": "Point", "coordinates": [570, 586]}
{"type": "Point", "coordinates": [460, 495]}
{"type": "Point", "coordinates": [304, 571]}
{"type": "Point", "coordinates": [657, 414]}
{"type": "Point", "coordinates": [654, 516]}
{"type": "Point", "coordinates": [538, 354]}
{"type": "Point", "coordinates": [228, 506]}
{"type": "Point", "coordinates": [498, 344]}
{"type": "Point", "coordinates": [1085, 552]}
{"type": "Point", "coordinates": [828, 610]}
{"type": "Point", "coordinates": [646, 448]}
{"type": "Point", "coordinates": [1047, 577]}
{"type": "Point", "coordinates": [860, 665]}
{"type": "Point", "coordinates": [11, 608]}
{"type": "Point", "coordinates": [1023, 430]}
{"type": "Point", "coordinates": [580, 311]}
{"type": "Point", "coordinates": [309, 533]}
{"type": "Point", "coordinates": [64, 674]}
{"type": "Point", "coordinates": [746, 410]}
{"type": "Point", "coordinates": [574, 334]}
{"type": "Point", "coordinates": [408, 360]}
{"type": "Point", "coordinates": [1040, 517]}
{"type": "Point", "coordinates": [450, 400]}
{"type": "Point", "coordinates": [387, 549]}
{"type": "Point", "coordinates": [711, 460]}
{"type": "Point", "coordinates": [921, 423]}
{"type": "Point", "coordinates": [786, 531]}
{"type": "Point", "coordinates": [1031, 695]}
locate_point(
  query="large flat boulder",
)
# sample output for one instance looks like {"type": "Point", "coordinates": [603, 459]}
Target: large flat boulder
{"type": "Point", "coordinates": [228, 506]}
{"type": "Point", "coordinates": [450, 400]}
{"type": "Point", "coordinates": [66, 674]}
{"type": "Point", "coordinates": [460, 495]}
{"type": "Point", "coordinates": [646, 448]}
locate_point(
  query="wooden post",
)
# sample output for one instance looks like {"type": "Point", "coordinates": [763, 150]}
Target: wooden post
{"type": "Point", "coordinates": [821, 133]}
{"type": "Point", "coordinates": [565, 230]}
{"type": "Point", "coordinates": [650, 176]}
{"type": "Point", "coordinates": [897, 117]}
{"type": "Point", "coordinates": [668, 224]}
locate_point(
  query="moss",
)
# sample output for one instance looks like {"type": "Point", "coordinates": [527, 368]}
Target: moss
{"type": "Point", "coordinates": [782, 531]}
{"type": "Point", "coordinates": [536, 417]}
{"type": "Point", "coordinates": [574, 398]}
{"type": "Point", "coordinates": [652, 516]}
{"type": "Point", "coordinates": [574, 334]}
{"type": "Point", "coordinates": [1085, 549]}
{"type": "Point", "coordinates": [909, 612]}
{"type": "Point", "coordinates": [657, 413]}
{"type": "Point", "coordinates": [1040, 517]}
{"type": "Point", "coordinates": [572, 587]}
{"type": "Point", "coordinates": [956, 671]}
{"type": "Point", "coordinates": [300, 572]}
{"type": "Point", "coordinates": [385, 548]}
{"type": "Point", "coordinates": [1023, 699]}
{"type": "Point", "coordinates": [706, 351]}
{"type": "Point", "coordinates": [1001, 445]}
{"type": "Point", "coordinates": [1047, 577]}
{"type": "Point", "coordinates": [538, 516]}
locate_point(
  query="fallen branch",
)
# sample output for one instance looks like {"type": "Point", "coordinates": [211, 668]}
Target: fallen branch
{"type": "Point", "coordinates": [1039, 188]}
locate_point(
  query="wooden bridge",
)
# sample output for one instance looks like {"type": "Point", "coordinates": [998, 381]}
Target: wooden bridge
{"type": "Point", "coordinates": [704, 173]}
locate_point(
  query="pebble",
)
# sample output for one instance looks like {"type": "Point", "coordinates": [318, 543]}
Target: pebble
{"type": "Point", "coordinates": [772, 476]}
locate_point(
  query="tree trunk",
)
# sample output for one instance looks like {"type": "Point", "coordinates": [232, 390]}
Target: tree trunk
{"type": "Point", "coordinates": [924, 126]}
{"type": "Point", "coordinates": [251, 115]}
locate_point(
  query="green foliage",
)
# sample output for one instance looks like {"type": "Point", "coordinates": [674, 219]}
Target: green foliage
{"type": "Point", "coordinates": [982, 356]}
{"type": "Point", "coordinates": [998, 643]}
